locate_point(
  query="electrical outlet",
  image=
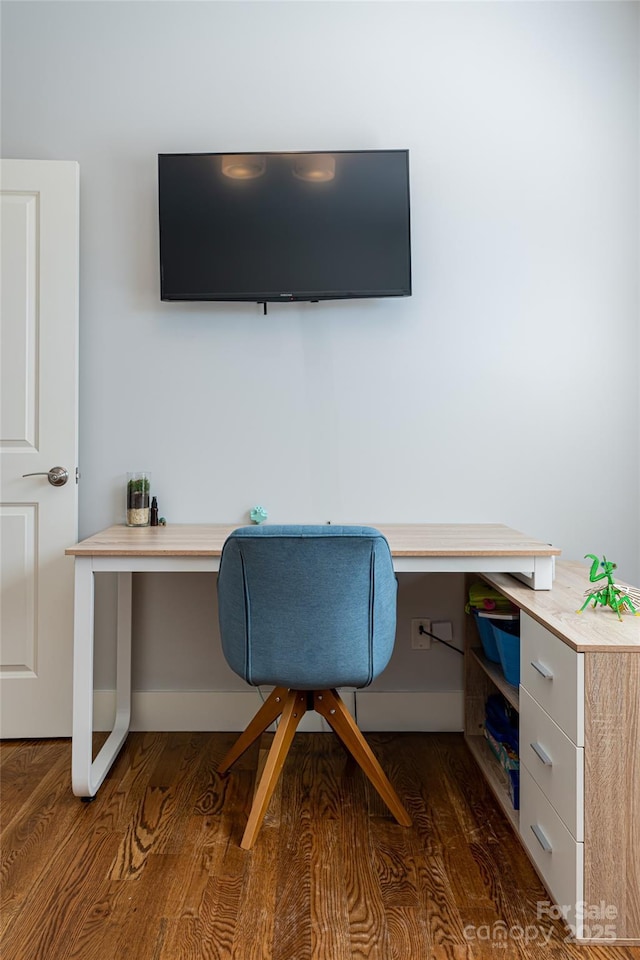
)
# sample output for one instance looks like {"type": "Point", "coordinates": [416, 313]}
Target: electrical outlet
{"type": "Point", "coordinates": [420, 641]}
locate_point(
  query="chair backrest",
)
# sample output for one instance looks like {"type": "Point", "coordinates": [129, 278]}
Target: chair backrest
{"type": "Point", "coordinates": [307, 607]}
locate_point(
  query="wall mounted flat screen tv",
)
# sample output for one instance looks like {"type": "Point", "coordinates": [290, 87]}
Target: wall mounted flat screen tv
{"type": "Point", "coordinates": [284, 226]}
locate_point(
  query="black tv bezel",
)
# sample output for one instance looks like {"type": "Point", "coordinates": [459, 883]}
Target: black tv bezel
{"type": "Point", "coordinates": [313, 296]}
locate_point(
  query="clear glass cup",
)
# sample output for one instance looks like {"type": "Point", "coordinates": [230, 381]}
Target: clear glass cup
{"type": "Point", "coordinates": [138, 499]}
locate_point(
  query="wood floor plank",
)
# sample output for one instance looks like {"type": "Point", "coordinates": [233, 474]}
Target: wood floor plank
{"type": "Point", "coordinates": [23, 765]}
{"type": "Point", "coordinates": [254, 933]}
{"type": "Point", "coordinates": [34, 837]}
{"type": "Point", "coordinates": [434, 826]}
{"type": "Point", "coordinates": [367, 923]}
{"type": "Point", "coordinates": [210, 935]}
{"type": "Point", "coordinates": [395, 865]}
{"type": "Point", "coordinates": [159, 818]}
{"type": "Point", "coordinates": [408, 933]}
{"type": "Point", "coordinates": [127, 780]}
{"type": "Point", "coordinates": [330, 925]}
{"type": "Point", "coordinates": [8, 747]}
{"type": "Point", "coordinates": [97, 932]}
{"type": "Point", "coordinates": [292, 924]}
{"type": "Point", "coordinates": [41, 932]}
{"type": "Point", "coordinates": [138, 914]}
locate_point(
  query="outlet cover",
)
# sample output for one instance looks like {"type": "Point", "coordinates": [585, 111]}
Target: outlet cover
{"type": "Point", "coordinates": [420, 641]}
{"type": "Point", "coordinates": [443, 630]}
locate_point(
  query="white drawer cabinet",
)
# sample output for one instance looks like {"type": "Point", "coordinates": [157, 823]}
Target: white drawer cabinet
{"type": "Point", "coordinates": [554, 762]}
{"type": "Point", "coordinates": [553, 674]}
{"type": "Point", "coordinates": [578, 701]}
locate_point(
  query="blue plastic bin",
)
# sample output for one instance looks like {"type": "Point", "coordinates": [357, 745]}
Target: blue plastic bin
{"type": "Point", "coordinates": [487, 639]}
{"type": "Point", "coordinates": [508, 644]}
{"type": "Point", "coordinates": [514, 788]}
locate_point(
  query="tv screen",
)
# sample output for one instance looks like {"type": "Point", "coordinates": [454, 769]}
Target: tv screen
{"type": "Point", "coordinates": [284, 226]}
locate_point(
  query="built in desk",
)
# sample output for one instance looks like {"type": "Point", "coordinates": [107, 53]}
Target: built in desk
{"type": "Point", "coordinates": [189, 548]}
{"type": "Point", "coordinates": [579, 697]}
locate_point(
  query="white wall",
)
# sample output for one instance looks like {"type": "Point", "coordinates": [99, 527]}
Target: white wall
{"type": "Point", "coordinates": [505, 389]}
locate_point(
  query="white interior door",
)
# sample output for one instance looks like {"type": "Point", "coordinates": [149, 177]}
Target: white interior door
{"type": "Point", "coordinates": [39, 431]}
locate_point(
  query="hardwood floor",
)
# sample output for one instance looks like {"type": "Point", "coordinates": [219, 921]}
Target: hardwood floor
{"type": "Point", "coordinates": [152, 868]}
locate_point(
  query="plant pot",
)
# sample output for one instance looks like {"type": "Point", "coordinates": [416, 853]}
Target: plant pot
{"type": "Point", "coordinates": [138, 510]}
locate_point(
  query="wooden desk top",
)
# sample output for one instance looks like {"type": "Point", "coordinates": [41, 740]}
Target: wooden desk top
{"type": "Point", "coordinates": [405, 540]}
{"type": "Point", "coordinates": [556, 609]}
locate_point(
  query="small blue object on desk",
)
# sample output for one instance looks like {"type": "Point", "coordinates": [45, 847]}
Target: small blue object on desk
{"type": "Point", "coordinates": [258, 515]}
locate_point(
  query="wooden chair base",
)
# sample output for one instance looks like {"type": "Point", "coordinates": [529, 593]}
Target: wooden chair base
{"type": "Point", "coordinates": [291, 705]}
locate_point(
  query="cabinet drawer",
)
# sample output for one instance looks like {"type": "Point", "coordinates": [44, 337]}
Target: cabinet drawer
{"type": "Point", "coordinates": [554, 762]}
{"type": "Point", "coordinates": [553, 673]}
{"type": "Point", "coordinates": [556, 854]}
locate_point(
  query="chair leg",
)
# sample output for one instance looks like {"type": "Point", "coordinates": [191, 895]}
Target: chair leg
{"type": "Point", "coordinates": [330, 706]}
{"type": "Point", "coordinates": [294, 709]}
{"type": "Point", "coordinates": [268, 712]}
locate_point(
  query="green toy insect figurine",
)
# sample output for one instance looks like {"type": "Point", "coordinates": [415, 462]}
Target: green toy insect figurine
{"type": "Point", "coordinates": [612, 595]}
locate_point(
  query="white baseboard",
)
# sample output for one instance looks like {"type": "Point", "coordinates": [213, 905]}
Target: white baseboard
{"type": "Point", "coordinates": [412, 710]}
{"type": "Point", "coordinates": [195, 710]}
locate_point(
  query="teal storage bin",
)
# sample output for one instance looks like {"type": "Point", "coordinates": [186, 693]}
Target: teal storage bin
{"type": "Point", "coordinates": [487, 638]}
{"type": "Point", "coordinates": [508, 644]}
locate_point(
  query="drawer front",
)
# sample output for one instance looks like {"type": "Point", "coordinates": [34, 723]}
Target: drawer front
{"type": "Point", "coordinates": [553, 673]}
{"type": "Point", "coordinates": [556, 854]}
{"type": "Point", "coordinates": [554, 762]}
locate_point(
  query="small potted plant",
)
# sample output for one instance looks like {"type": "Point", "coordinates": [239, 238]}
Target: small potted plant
{"type": "Point", "coordinates": [138, 486]}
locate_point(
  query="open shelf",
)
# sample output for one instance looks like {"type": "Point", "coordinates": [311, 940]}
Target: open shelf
{"type": "Point", "coordinates": [496, 777]}
{"type": "Point", "coordinates": [494, 672]}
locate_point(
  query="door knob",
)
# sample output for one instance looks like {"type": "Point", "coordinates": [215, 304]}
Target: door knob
{"type": "Point", "coordinates": [57, 476]}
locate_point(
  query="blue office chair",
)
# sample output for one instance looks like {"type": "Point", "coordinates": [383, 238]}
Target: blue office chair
{"type": "Point", "coordinates": [306, 609]}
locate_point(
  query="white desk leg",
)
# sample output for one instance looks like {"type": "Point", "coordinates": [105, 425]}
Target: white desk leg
{"type": "Point", "coordinates": [123, 667]}
{"type": "Point", "coordinates": [86, 775]}
{"type": "Point", "coordinates": [544, 569]}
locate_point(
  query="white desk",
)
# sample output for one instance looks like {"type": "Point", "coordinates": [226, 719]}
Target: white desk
{"type": "Point", "coordinates": [180, 548]}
